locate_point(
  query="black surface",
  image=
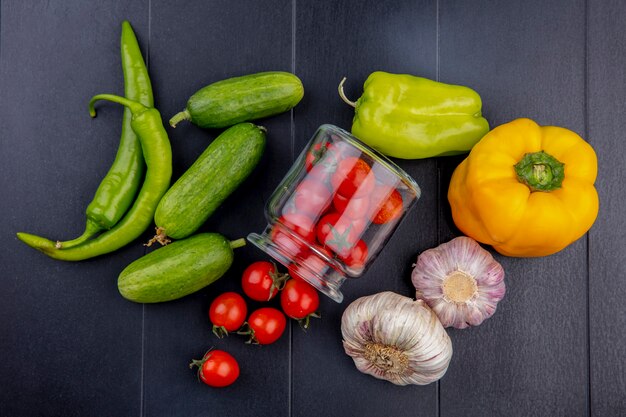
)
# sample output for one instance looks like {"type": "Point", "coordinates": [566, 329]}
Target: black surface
{"type": "Point", "coordinates": [71, 346]}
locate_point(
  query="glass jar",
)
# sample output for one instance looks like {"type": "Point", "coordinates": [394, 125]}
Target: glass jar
{"type": "Point", "coordinates": [334, 210]}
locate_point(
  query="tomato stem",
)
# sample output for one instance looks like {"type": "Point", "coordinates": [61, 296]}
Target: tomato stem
{"type": "Point", "coordinates": [306, 321]}
{"type": "Point", "coordinates": [220, 331]}
{"type": "Point", "coordinates": [278, 281]}
{"type": "Point", "coordinates": [200, 362]}
{"type": "Point", "coordinates": [246, 330]}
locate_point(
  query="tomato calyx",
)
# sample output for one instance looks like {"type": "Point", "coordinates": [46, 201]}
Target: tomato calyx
{"type": "Point", "coordinates": [220, 331]}
{"type": "Point", "coordinates": [200, 362]}
{"type": "Point", "coordinates": [306, 321]}
{"type": "Point", "coordinates": [246, 330]}
{"type": "Point", "coordinates": [317, 153]}
{"type": "Point", "coordinates": [278, 281]}
{"type": "Point", "coordinates": [339, 241]}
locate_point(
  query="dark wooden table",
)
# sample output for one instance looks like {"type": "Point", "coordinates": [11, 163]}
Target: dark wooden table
{"type": "Point", "coordinates": [72, 346]}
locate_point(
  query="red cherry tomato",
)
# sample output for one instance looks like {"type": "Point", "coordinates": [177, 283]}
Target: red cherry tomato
{"type": "Point", "coordinates": [266, 324]}
{"type": "Point", "coordinates": [311, 197]}
{"type": "Point", "coordinates": [339, 233]}
{"type": "Point", "coordinates": [299, 223]}
{"type": "Point", "coordinates": [227, 313]}
{"type": "Point", "coordinates": [387, 203]}
{"type": "Point", "coordinates": [286, 243]}
{"type": "Point", "coordinates": [355, 208]}
{"type": "Point", "coordinates": [315, 155]}
{"type": "Point", "coordinates": [310, 266]}
{"type": "Point", "coordinates": [323, 167]}
{"type": "Point", "coordinates": [261, 282]}
{"type": "Point", "coordinates": [356, 256]}
{"type": "Point", "coordinates": [342, 149]}
{"type": "Point", "coordinates": [300, 301]}
{"type": "Point", "coordinates": [353, 178]}
{"type": "Point", "coordinates": [217, 368]}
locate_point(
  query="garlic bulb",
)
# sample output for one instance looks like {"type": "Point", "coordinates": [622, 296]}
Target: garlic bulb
{"type": "Point", "coordinates": [396, 338]}
{"type": "Point", "coordinates": [460, 281]}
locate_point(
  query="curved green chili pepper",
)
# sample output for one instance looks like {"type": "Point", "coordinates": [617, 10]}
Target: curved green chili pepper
{"type": "Point", "coordinates": [119, 187]}
{"type": "Point", "coordinates": [147, 124]}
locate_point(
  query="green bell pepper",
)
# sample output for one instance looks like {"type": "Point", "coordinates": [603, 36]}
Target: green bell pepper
{"type": "Point", "coordinates": [410, 117]}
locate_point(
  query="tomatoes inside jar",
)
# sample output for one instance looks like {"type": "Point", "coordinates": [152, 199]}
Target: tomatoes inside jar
{"type": "Point", "coordinates": [334, 204]}
{"type": "Point", "coordinates": [334, 210]}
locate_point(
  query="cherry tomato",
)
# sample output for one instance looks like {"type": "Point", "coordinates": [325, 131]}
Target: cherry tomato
{"type": "Point", "coordinates": [323, 167]}
{"type": "Point", "coordinates": [217, 368]}
{"type": "Point", "coordinates": [261, 282]}
{"type": "Point", "coordinates": [342, 149]}
{"type": "Point", "coordinates": [339, 233]}
{"type": "Point", "coordinates": [356, 256]}
{"type": "Point", "coordinates": [227, 313]}
{"type": "Point", "coordinates": [355, 208]}
{"type": "Point", "coordinates": [286, 244]}
{"type": "Point", "coordinates": [353, 178]}
{"type": "Point", "coordinates": [300, 301]}
{"type": "Point", "coordinates": [299, 223]}
{"type": "Point", "coordinates": [266, 324]}
{"type": "Point", "coordinates": [309, 266]}
{"type": "Point", "coordinates": [311, 197]}
{"type": "Point", "coordinates": [387, 203]}
{"type": "Point", "coordinates": [315, 154]}
{"type": "Point", "coordinates": [289, 223]}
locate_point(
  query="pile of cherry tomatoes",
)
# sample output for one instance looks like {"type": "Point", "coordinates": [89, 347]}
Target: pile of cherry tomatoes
{"type": "Point", "coordinates": [228, 313]}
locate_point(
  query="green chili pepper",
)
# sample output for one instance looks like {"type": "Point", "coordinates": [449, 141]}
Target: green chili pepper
{"type": "Point", "coordinates": [410, 117]}
{"type": "Point", "coordinates": [147, 124]}
{"type": "Point", "coordinates": [120, 185]}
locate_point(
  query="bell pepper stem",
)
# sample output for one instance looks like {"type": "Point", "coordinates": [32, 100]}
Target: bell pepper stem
{"type": "Point", "coordinates": [342, 94]}
{"type": "Point", "coordinates": [540, 171]}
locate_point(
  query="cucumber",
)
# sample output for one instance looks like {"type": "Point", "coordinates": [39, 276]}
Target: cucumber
{"type": "Point", "coordinates": [177, 270]}
{"type": "Point", "coordinates": [241, 99]}
{"type": "Point", "coordinates": [217, 172]}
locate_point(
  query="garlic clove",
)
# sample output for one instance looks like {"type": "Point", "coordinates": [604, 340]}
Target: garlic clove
{"type": "Point", "coordinates": [460, 281]}
{"type": "Point", "coordinates": [396, 338]}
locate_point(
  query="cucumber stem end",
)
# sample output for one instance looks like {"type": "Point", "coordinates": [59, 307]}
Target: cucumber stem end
{"type": "Point", "coordinates": [160, 237]}
{"type": "Point", "coordinates": [234, 244]}
{"type": "Point", "coordinates": [179, 117]}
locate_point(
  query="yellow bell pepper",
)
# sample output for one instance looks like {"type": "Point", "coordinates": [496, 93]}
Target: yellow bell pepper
{"type": "Point", "coordinates": [525, 189]}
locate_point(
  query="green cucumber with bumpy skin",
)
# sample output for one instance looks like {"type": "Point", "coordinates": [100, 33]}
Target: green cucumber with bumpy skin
{"type": "Point", "coordinates": [177, 270]}
{"type": "Point", "coordinates": [240, 99]}
{"type": "Point", "coordinates": [217, 172]}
